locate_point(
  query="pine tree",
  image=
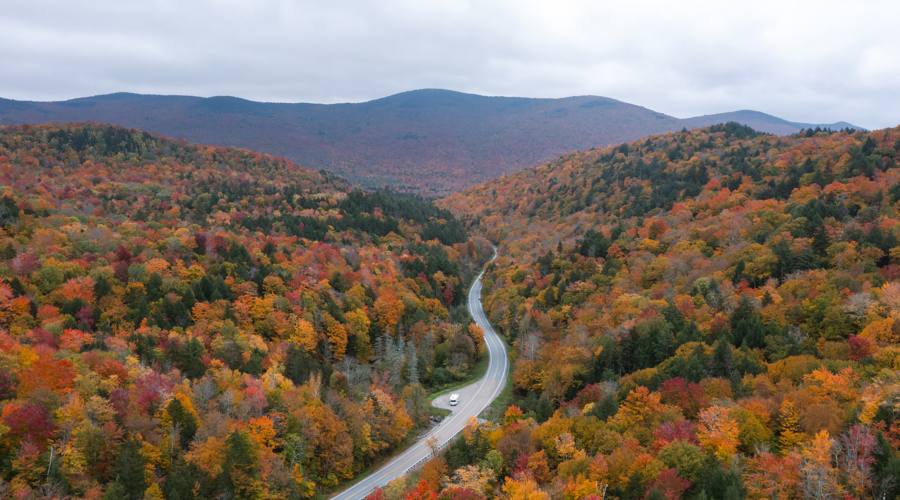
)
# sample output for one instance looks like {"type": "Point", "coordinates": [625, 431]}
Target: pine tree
{"type": "Point", "coordinates": [183, 481]}
{"type": "Point", "coordinates": [886, 468]}
{"type": "Point", "coordinates": [738, 273]}
{"type": "Point", "coordinates": [184, 420]}
{"type": "Point", "coordinates": [239, 472]}
{"type": "Point", "coordinates": [722, 362]}
{"type": "Point", "coordinates": [821, 241]}
{"type": "Point", "coordinates": [746, 325]}
{"type": "Point", "coordinates": [130, 470]}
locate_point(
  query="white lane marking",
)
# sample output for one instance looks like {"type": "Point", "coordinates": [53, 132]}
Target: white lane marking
{"type": "Point", "coordinates": [497, 358]}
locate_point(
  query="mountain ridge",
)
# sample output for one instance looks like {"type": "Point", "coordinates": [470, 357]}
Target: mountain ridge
{"type": "Point", "coordinates": [432, 141]}
{"type": "Point", "coordinates": [633, 279]}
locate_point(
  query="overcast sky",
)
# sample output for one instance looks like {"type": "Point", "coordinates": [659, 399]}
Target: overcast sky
{"type": "Point", "coordinates": [816, 61]}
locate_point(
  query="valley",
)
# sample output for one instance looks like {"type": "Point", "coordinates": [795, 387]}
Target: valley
{"type": "Point", "coordinates": [429, 141]}
{"type": "Point", "coordinates": [407, 250]}
{"type": "Point", "coordinates": [685, 314]}
{"type": "Point", "coordinates": [475, 398]}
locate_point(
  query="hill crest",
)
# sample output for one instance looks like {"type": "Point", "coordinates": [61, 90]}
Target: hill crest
{"type": "Point", "coordinates": [432, 141]}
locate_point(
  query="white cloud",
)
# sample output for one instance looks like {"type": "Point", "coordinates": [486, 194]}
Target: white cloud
{"type": "Point", "coordinates": [803, 60]}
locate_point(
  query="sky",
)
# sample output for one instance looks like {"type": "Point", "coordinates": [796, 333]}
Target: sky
{"type": "Point", "coordinates": [811, 61]}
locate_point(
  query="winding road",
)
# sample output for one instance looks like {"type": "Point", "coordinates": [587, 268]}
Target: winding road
{"type": "Point", "coordinates": [474, 398]}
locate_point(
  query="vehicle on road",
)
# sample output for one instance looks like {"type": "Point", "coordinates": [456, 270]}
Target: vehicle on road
{"type": "Point", "coordinates": [479, 395]}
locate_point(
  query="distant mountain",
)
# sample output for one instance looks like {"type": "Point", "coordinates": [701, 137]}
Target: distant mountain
{"type": "Point", "coordinates": [762, 122]}
{"type": "Point", "coordinates": [430, 141]}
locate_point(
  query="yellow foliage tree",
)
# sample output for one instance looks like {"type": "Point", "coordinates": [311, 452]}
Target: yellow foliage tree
{"type": "Point", "coordinates": [641, 411]}
{"type": "Point", "coordinates": [881, 331]}
{"type": "Point", "coordinates": [208, 455]}
{"type": "Point", "coordinates": [358, 324]}
{"type": "Point", "coordinates": [475, 478]}
{"type": "Point", "coordinates": [388, 310]}
{"type": "Point", "coordinates": [337, 336]}
{"type": "Point", "coordinates": [789, 433]}
{"type": "Point", "coordinates": [305, 335]}
{"type": "Point", "coordinates": [718, 432]}
{"type": "Point", "coordinates": [524, 488]}
{"type": "Point", "coordinates": [819, 476]}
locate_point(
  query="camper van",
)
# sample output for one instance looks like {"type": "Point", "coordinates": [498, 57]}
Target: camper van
{"type": "Point", "coordinates": [454, 399]}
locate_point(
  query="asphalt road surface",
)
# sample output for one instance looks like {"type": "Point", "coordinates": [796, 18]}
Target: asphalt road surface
{"type": "Point", "coordinates": [474, 398]}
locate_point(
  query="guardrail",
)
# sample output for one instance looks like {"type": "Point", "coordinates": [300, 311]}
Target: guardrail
{"type": "Point", "coordinates": [441, 446]}
{"type": "Point", "coordinates": [428, 457]}
{"type": "Point", "coordinates": [418, 463]}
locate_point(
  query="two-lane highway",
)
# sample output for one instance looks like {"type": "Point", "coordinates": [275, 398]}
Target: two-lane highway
{"type": "Point", "coordinates": [474, 399]}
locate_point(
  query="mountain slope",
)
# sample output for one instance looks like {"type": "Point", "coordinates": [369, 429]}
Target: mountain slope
{"type": "Point", "coordinates": [195, 321]}
{"type": "Point", "coordinates": [430, 141]}
{"type": "Point", "coordinates": [712, 313]}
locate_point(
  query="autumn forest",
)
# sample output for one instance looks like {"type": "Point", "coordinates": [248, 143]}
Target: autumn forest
{"type": "Point", "coordinates": [186, 321]}
{"type": "Point", "coordinates": [705, 314]}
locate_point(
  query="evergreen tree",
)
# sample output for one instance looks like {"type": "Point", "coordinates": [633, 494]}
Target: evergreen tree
{"type": "Point", "coordinates": [115, 491]}
{"type": "Point", "coordinates": [183, 420]}
{"type": "Point", "coordinates": [722, 362]}
{"type": "Point", "coordinates": [9, 211]}
{"type": "Point", "coordinates": [886, 481]}
{"type": "Point", "coordinates": [593, 244]}
{"type": "Point", "coordinates": [184, 481]}
{"type": "Point", "coordinates": [747, 327]}
{"type": "Point", "coordinates": [738, 275]}
{"type": "Point", "coordinates": [188, 357]}
{"type": "Point", "coordinates": [130, 470]}
{"type": "Point", "coordinates": [240, 477]}
{"type": "Point", "coordinates": [820, 242]}
{"type": "Point", "coordinates": [606, 407]}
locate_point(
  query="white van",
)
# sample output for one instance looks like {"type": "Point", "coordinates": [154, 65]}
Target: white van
{"type": "Point", "coordinates": [454, 399]}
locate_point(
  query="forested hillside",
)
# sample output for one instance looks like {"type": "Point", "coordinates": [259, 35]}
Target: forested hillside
{"type": "Point", "coordinates": [430, 141]}
{"type": "Point", "coordinates": [189, 321]}
{"type": "Point", "coordinates": [704, 314]}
